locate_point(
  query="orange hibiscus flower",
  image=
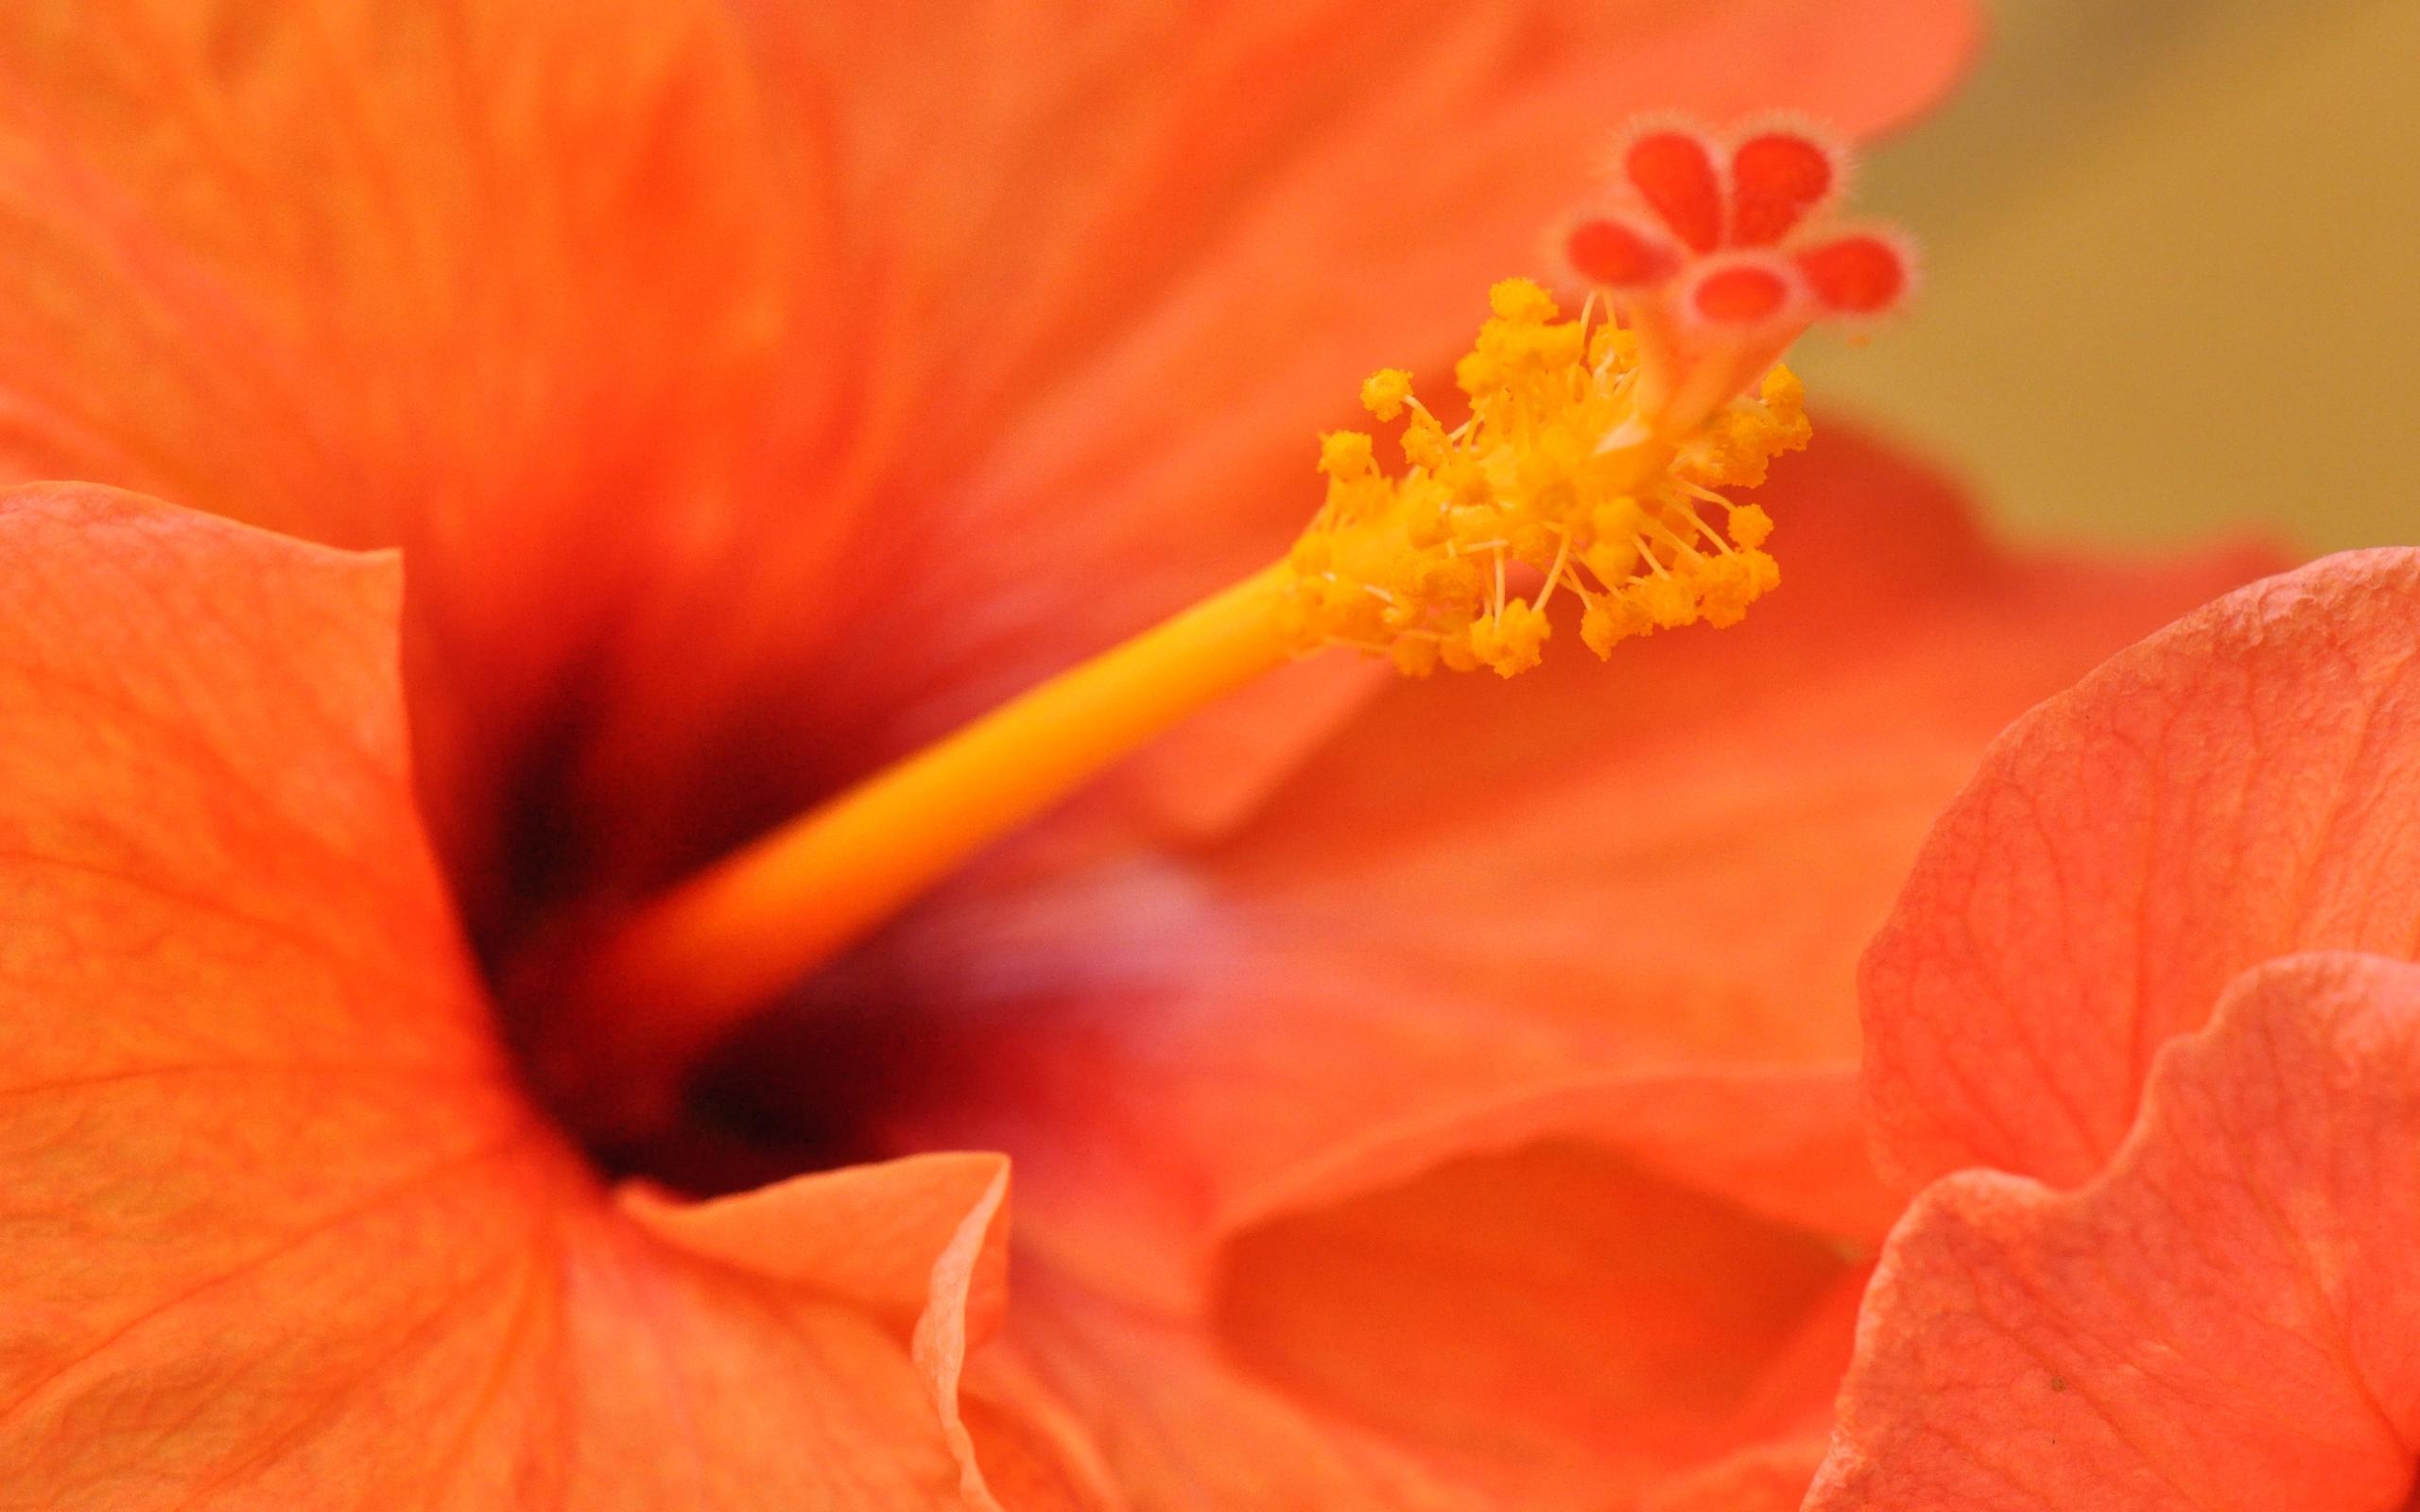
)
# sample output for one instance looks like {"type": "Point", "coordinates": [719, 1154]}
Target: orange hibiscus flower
{"type": "Point", "coordinates": [2150, 993]}
{"type": "Point", "coordinates": [757, 392]}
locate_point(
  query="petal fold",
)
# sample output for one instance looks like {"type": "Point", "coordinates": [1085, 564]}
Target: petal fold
{"type": "Point", "coordinates": [2225, 1320]}
{"type": "Point", "coordinates": [2243, 784]}
{"type": "Point", "coordinates": [1550, 1323]}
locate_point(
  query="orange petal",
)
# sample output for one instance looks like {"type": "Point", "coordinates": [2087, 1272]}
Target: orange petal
{"type": "Point", "coordinates": [279, 1228]}
{"type": "Point", "coordinates": [2222, 1321]}
{"type": "Point", "coordinates": [1551, 1322]}
{"type": "Point", "coordinates": [2239, 786]}
{"type": "Point", "coordinates": [919, 1242]}
{"type": "Point", "coordinates": [1192, 184]}
{"type": "Point", "coordinates": [866, 1233]}
{"type": "Point", "coordinates": [1546, 1319]}
{"type": "Point", "coordinates": [1180, 1426]}
{"type": "Point", "coordinates": [1769, 1478]}
{"type": "Point", "coordinates": [1784, 1145]}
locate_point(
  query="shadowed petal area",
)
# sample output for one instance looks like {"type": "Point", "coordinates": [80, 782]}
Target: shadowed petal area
{"type": "Point", "coordinates": [764, 386]}
{"type": "Point", "coordinates": [277, 1229]}
{"type": "Point", "coordinates": [2243, 785]}
{"type": "Point", "coordinates": [2223, 1321]}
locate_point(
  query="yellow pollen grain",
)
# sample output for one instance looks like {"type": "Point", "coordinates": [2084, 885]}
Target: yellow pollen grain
{"type": "Point", "coordinates": [1553, 486]}
{"type": "Point", "coordinates": [1384, 393]}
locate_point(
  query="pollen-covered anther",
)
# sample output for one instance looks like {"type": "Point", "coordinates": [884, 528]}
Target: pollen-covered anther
{"type": "Point", "coordinates": [1717, 255]}
{"type": "Point", "coordinates": [1549, 503]}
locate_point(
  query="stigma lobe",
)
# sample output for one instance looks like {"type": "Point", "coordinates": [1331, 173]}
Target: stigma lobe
{"type": "Point", "coordinates": [1715, 252]}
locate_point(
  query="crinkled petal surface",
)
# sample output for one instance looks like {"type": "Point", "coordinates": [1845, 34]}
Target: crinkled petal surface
{"type": "Point", "coordinates": [1383, 1087]}
{"type": "Point", "coordinates": [2225, 1320]}
{"type": "Point", "coordinates": [2243, 784]}
{"type": "Point", "coordinates": [279, 1229]}
{"type": "Point", "coordinates": [762, 386]}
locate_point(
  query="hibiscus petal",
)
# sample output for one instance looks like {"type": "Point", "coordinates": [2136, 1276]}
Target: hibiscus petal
{"type": "Point", "coordinates": [1536, 1310]}
{"type": "Point", "coordinates": [1551, 1322]}
{"type": "Point", "coordinates": [920, 1242]}
{"type": "Point", "coordinates": [1180, 1426]}
{"type": "Point", "coordinates": [280, 1229]}
{"type": "Point", "coordinates": [2237, 787]}
{"type": "Point", "coordinates": [2224, 1319]}
{"type": "Point", "coordinates": [1783, 1145]}
{"type": "Point", "coordinates": [1769, 1478]}
{"type": "Point", "coordinates": [868, 1233]}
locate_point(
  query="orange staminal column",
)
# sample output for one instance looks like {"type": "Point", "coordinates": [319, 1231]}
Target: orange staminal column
{"type": "Point", "coordinates": [677, 976]}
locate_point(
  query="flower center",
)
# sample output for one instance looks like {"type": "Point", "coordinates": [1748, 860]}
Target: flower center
{"type": "Point", "coordinates": [1589, 468]}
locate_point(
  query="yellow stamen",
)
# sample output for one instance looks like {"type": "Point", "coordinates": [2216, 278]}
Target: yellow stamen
{"type": "Point", "coordinates": [1555, 475]}
{"type": "Point", "coordinates": [1556, 464]}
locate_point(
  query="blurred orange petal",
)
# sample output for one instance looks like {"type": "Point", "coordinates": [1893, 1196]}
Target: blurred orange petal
{"type": "Point", "coordinates": [1550, 1322]}
{"type": "Point", "coordinates": [2237, 787]}
{"type": "Point", "coordinates": [1178, 1423]}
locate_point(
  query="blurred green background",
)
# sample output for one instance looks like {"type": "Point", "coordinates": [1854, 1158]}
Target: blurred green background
{"type": "Point", "coordinates": [2173, 274]}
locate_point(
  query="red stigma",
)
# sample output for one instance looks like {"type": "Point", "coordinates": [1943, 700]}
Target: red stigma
{"type": "Point", "coordinates": [1741, 294]}
{"type": "Point", "coordinates": [1676, 173]}
{"type": "Point", "coordinates": [1713, 250]}
{"type": "Point", "coordinates": [1777, 179]}
{"type": "Point", "coordinates": [1863, 274]}
{"type": "Point", "coordinates": [1617, 255]}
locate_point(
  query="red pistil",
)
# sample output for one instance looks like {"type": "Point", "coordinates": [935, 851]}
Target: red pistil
{"type": "Point", "coordinates": [1715, 256]}
{"type": "Point", "coordinates": [1676, 173]}
{"type": "Point", "coordinates": [1777, 179]}
{"type": "Point", "coordinates": [1860, 274]}
{"type": "Point", "coordinates": [1742, 294]}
